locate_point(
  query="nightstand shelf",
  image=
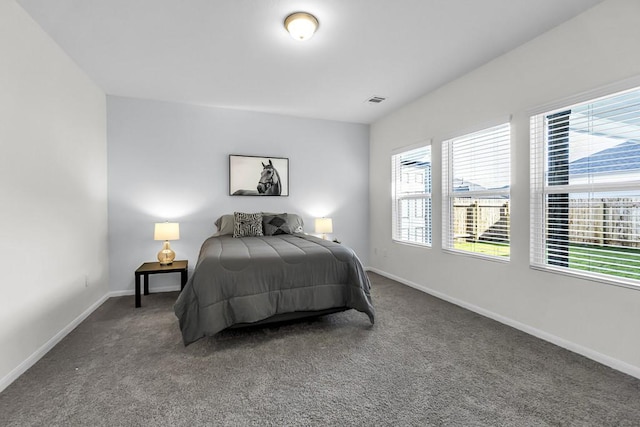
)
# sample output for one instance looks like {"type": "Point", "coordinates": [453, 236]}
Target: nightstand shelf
{"type": "Point", "coordinates": [148, 268]}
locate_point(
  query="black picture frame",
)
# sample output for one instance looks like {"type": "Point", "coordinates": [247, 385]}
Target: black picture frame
{"type": "Point", "coordinates": [258, 176]}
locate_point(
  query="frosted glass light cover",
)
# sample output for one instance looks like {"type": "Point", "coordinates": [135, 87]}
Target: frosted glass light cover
{"type": "Point", "coordinates": [301, 25]}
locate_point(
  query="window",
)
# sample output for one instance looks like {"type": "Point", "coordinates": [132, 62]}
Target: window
{"type": "Point", "coordinates": [476, 180]}
{"type": "Point", "coordinates": [585, 189]}
{"type": "Point", "coordinates": [411, 171]}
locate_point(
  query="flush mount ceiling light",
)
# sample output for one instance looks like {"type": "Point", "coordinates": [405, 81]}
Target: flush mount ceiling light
{"type": "Point", "coordinates": [301, 25]}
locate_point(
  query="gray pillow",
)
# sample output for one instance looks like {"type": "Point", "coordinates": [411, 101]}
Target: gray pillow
{"type": "Point", "coordinates": [225, 225]}
{"type": "Point", "coordinates": [275, 224]}
{"type": "Point", "coordinates": [247, 224]}
{"type": "Point", "coordinates": [294, 221]}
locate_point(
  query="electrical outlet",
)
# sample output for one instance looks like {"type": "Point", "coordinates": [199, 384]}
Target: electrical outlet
{"type": "Point", "coordinates": [384, 253]}
{"type": "Point", "coordinates": [86, 280]}
{"type": "Point", "coordinates": [375, 251]}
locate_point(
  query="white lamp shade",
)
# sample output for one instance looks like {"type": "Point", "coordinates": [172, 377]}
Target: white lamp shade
{"type": "Point", "coordinates": [301, 25]}
{"type": "Point", "coordinates": [166, 231]}
{"type": "Point", "coordinates": [324, 225]}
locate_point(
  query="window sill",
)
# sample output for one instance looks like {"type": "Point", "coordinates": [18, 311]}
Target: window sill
{"type": "Point", "coordinates": [586, 276]}
{"type": "Point", "coordinates": [413, 244]}
{"type": "Point", "coordinates": [500, 259]}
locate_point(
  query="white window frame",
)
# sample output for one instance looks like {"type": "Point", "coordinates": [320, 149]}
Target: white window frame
{"type": "Point", "coordinates": [397, 198]}
{"type": "Point", "coordinates": [540, 189]}
{"type": "Point", "coordinates": [449, 195]}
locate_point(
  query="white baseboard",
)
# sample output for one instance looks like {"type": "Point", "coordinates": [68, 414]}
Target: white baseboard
{"type": "Point", "coordinates": [609, 361]}
{"type": "Point", "coordinates": [576, 348]}
{"type": "Point", "coordinates": [39, 353]}
{"type": "Point", "coordinates": [152, 290]}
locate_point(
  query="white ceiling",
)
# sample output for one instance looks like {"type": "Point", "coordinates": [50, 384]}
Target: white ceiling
{"type": "Point", "coordinates": [237, 54]}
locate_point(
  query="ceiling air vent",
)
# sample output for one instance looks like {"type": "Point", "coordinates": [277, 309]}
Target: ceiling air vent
{"type": "Point", "coordinates": [376, 99]}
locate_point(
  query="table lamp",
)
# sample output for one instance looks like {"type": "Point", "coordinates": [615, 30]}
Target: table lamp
{"type": "Point", "coordinates": [166, 231]}
{"type": "Point", "coordinates": [324, 226]}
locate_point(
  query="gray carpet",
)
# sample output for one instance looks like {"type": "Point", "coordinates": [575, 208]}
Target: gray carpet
{"type": "Point", "coordinates": [425, 362]}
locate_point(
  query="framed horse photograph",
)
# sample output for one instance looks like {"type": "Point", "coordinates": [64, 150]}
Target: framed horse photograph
{"type": "Point", "coordinates": [258, 176]}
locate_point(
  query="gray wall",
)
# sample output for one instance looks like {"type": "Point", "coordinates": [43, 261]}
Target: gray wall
{"type": "Point", "coordinates": [169, 161]}
{"type": "Point", "coordinates": [594, 50]}
{"type": "Point", "coordinates": [53, 193]}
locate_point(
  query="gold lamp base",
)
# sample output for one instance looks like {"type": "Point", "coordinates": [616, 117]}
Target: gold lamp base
{"type": "Point", "coordinates": [166, 255]}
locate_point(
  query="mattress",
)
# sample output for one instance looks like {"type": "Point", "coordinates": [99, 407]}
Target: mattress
{"type": "Point", "coordinates": [250, 279]}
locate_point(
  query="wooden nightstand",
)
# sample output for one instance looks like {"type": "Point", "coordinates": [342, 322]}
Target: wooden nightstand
{"type": "Point", "coordinates": [148, 268]}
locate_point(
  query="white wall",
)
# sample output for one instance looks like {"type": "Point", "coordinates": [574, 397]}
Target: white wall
{"type": "Point", "coordinates": [597, 48]}
{"type": "Point", "coordinates": [53, 192]}
{"type": "Point", "coordinates": [169, 161]}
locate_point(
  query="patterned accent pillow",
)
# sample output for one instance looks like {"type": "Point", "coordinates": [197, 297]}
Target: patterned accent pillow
{"type": "Point", "coordinates": [247, 224]}
{"type": "Point", "coordinates": [274, 224]}
{"type": "Point", "coordinates": [294, 221]}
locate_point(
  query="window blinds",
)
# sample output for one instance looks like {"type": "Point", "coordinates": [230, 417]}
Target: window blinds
{"type": "Point", "coordinates": [411, 172]}
{"type": "Point", "coordinates": [476, 182]}
{"type": "Point", "coordinates": [585, 188]}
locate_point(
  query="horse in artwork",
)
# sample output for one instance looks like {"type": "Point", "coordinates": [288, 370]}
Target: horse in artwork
{"type": "Point", "coordinates": [268, 185]}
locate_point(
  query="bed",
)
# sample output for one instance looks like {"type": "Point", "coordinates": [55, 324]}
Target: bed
{"type": "Point", "coordinates": [253, 279]}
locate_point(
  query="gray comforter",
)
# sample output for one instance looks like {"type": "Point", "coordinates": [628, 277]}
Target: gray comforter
{"type": "Point", "coordinates": [245, 280]}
